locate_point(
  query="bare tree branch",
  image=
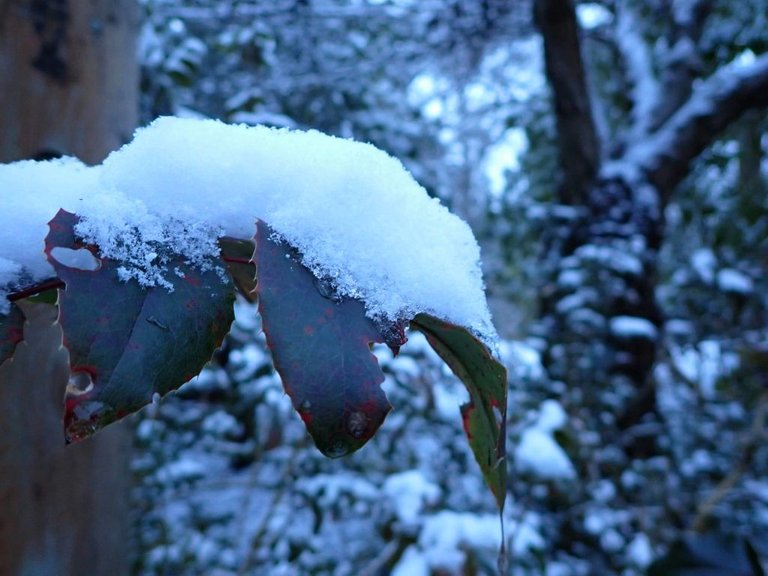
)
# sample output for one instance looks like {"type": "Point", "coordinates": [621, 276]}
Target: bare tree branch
{"type": "Point", "coordinates": [578, 144]}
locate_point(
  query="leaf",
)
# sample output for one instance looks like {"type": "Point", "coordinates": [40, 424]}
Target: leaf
{"type": "Point", "coordinates": [485, 414]}
{"type": "Point", "coordinates": [127, 342]}
{"type": "Point", "coordinates": [237, 255]}
{"type": "Point", "coordinates": [11, 332]}
{"type": "Point", "coordinates": [709, 554]}
{"type": "Point", "coordinates": [320, 346]}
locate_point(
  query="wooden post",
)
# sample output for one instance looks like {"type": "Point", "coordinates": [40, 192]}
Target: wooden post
{"type": "Point", "coordinates": [68, 85]}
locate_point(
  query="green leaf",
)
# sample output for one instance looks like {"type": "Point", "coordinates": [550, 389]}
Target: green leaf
{"type": "Point", "coordinates": [127, 342]}
{"type": "Point", "coordinates": [11, 332]}
{"type": "Point", "coordinates": [485, 415]}
{"type": "Point", "coordinates": [709, 554]}
{"type": "Point", "coordinates": [320, 346]}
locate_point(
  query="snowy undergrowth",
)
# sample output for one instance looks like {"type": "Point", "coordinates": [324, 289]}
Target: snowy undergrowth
{"type": "Point", "coordinates": [229, 484]}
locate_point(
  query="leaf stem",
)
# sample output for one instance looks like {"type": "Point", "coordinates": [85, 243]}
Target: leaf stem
{"type": "Point", "coordinates": [51, 284]}
{"type": "Point", "coordinates": [235, 260]}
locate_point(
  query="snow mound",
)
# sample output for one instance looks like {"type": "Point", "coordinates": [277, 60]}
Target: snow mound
{"type": "Point", "coordinates": [355, 213]}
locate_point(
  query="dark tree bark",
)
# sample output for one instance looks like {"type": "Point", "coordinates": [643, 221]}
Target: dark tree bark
{"type": "Point", "coordinates": [68, 85]}
{"type": "Point", "coordinates": [578, 146]}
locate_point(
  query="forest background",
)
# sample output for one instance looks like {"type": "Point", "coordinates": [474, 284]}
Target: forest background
{"type": "Point", "coordinates": [611, 158]}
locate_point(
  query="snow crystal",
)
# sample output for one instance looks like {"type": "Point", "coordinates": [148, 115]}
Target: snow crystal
{"type": "Point", "coordinates": [353, 211]}
{"type": "Point", "coordinates": [633, 327]}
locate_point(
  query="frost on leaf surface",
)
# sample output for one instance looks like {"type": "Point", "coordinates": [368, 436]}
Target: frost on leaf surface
{"type": "Point", "coordinates": [127, 342]}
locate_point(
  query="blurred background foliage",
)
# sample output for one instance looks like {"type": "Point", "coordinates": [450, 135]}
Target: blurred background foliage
{"type": "Point", "coordinates": [226, 480]}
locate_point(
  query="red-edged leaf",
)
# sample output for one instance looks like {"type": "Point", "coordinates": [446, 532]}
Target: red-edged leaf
{"type": "Point", "coordinates": [321, 348]}
{"type": "Point", "coordinates": [11, 332]}
{"type": "Point", "coordinates": [485, 414]}
{"type": "Point", "coordinates": [127, 342]}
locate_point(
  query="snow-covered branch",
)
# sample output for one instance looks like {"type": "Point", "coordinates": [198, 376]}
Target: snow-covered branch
{"type": "Point", "coordinates": [715, 103]}
{"type": "Point", "coordinates": [681, 64]}
{"type": "Point", "coordinates": [638, 59]}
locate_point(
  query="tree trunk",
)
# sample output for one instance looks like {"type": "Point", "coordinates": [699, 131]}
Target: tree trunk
{"type": "Point", "coordinates": [68, 77]}
{"type": "Point", "coordinates": [600, 316]}
{"type": "Point", "coordinates": [68, 86]}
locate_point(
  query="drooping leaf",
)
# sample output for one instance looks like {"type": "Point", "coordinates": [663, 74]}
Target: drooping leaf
{"type": "Point", "coordinates": [127, 342]}
{"type": "Point", "coordinates": [485, 414]}
{"type": "Point", "coordinates": [11, 332]}
{"type": "Point", "coordinates": [710, 554]}
{"type": "Point", "coordinates": [320, 346]}
{"type": "Point", "coordinates": [237, 255]}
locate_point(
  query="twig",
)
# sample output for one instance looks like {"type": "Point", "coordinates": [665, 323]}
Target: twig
{"type": "Point", "coordinates": [755, 439]}
{"type": "Point", "coordinates": [236, 260]}
{"type": "Point", "coordinates": [36, 289]}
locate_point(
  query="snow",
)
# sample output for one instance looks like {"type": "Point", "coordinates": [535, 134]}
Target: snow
{"type": "Point", "coordinates": [447, 535]}
{"type": "Point", "coordinates": [538, 453]}
{"type": "Point", "coordinates": [410, 492]}
{"type": "Point", "coordinates": [522, 360]}
{"type": "Point", "coordinates": [735, 282]}
{"type": "Point", "coordinates": [640, 551]}
{"type": "Point", "coordinates": [705, 365]}
{"type": "Point", "coordinates": [633, 327]}
{"type": "Point", "coordinates": [354, 212]}
{"type": "Point", "coordinates": [621, 261]}
{"type": "Point", "coordinates": [592, 15]}
{"type": "Point", "coordinates": [552, 417]}
{"type": "Point", "coordinates": [413, 563]}
{"type": "Point", "coordinates": [645, 89]}
{"type": "Point", "coordinates": [645, 154]}
{"type": "Point", "coordinates": [503, 157]}
{"type": "Point", "coordinates": [703, 261]}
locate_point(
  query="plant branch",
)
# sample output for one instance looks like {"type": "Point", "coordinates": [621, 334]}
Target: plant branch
{"type": "Point", "coordinates": [235, 260]}
{"type": "Point", "coordinates": [755, 439]}
{"type": "Point", "coordinates": [682, 62]}
{"type": "Point", "coordinates": [638, 59]}
{"type": "Point", "coordinates": [716, 103]}
{"type": "Point", "coordinates": [51, 284]}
